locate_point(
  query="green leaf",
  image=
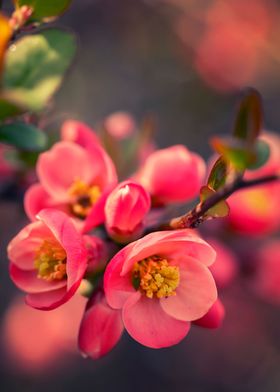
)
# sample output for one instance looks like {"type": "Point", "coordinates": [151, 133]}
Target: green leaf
{"type": "Point", "coordinates": [34, 68]}
{"type": "Point", "coordinates": [219, 210]}
{"type": "Point", "coordinates": [234, 151]}
{"type": "Point", "coordinates": [23, 136]}
{"type": "Point", "coordinates": [44, 10]}
{"type": "Point", "coordinates": [218, 175]}
{"type": "Point", "coordinates": [262, 151]}
{"type": "Point", "coordinates": [249, 118]}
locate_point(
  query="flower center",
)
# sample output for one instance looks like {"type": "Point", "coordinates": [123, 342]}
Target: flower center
{"type": "Point", "coordinates": [84, 197]}
{"type": "Point", "coordinates": [155, 277]}
{"type": "Point", "coordinates": [50, 261]}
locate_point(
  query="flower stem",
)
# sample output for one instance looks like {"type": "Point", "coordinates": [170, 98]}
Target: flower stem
{"type": "Point", "coordinates": [195, 217]}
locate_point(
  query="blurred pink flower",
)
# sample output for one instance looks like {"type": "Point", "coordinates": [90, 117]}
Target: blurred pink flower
{"type": "Point", "coordinates": [75, 180]}
{"type": "Point", "coordinates": [173, 174]}
{"type": "Point", "coordinates": [229, 54]}
{"type": "Point", "coordinates": [101, 327]}
{"type": "Point", "coordinates": [266, 279]}
{"type": "Point", "coordinates": [225, 268]}
{"type": "Point", "coordinates": [162, 283]}
{"type": "Point", "coordinates": [125, 210]}
{"type": "Point", "coordinates": [48, 260]}
{"type": "Point", "coordinates": [120, 125]}
{"type": "Point", "coordinates": [255, 211]}
{"type": "Point", "coordinates": [35, 340]}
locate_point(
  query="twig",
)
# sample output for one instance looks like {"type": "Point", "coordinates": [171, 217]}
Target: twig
{"type": "Point", "coordinates": [195, 217]}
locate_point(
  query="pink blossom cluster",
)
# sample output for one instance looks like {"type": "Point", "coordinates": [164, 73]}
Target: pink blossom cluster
{"type": "Point", "coordinates": [88, 234]}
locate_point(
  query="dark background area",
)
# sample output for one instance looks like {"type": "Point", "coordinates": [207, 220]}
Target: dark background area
{"type": "Point", "coordinates": [130, 59]}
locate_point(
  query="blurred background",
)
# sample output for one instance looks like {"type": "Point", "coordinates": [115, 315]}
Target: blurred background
{"type": "Point", "coordinates": [186, 62]}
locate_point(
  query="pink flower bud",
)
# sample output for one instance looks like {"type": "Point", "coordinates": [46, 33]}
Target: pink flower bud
{"type": "Point", "coordinates": [101, 327]}
{"type": "Point", "coordinates": [120, 125]}
{"type": "Point", "coordinates": [172, 175]}
{"type": "Point", "coordinates": [125, 210]}
{"type": "Point", "coordinates": [213, 318]}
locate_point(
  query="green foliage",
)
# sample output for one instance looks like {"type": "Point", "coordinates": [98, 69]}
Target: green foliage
{"type": "Point", "coordinates": [34, 69]}
{"type": "Point", "coordinates": [219, 210]}
{"type": "Point", "coordinates": [249, 118]}
{"type": "Point", "coordinates": [218, 175]}
{"type": "Point", "coordinates": [44, 10]}
{"type": "Point", "coordinates": [262, 152]}
{"type": "Point", "coordinates": [23, 136]}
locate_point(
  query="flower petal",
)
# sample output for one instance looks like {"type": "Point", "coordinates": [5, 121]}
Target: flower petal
{"type": "Point", "coordinates": [195, 294]}
{"type": "Point", "coordinates": [28, 281]}
{"type": "Point", "coordinates": [148, 324]}
{"type": "Point", "coordinates": [213, 318]}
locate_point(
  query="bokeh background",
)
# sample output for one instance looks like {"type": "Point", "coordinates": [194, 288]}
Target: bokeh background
{"type": "Point", "coordinates": [186, 62]}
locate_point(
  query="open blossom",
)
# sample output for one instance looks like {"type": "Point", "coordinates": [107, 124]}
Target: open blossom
{"type": "Point", "coordinates": [101, 327]}
{"type": "Point", "coordinates": [125, 210]}
{"type": "Point", "coordinates": [48, 260]}
{"type": "Point", "coordinates": [255, 211]}
{"type": "Point", "coordinates": [161, 283]}
{"type": "Point", "coordinates": [75, 180]}
{"type": "Point", "coordinates": [172, 175]}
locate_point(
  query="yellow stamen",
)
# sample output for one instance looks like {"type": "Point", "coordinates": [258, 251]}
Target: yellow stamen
{"type": "Point", "coordinates": [50, 261]}
{"type": "Point", "coordinates": [84, 197]}
{"type": "Point", "coordinates": [154, 276]}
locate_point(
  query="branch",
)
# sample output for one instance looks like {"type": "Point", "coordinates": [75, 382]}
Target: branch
{"type": "Point", "coordinates": [194, 218]}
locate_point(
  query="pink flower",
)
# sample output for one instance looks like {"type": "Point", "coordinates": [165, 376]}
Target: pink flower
{"type": "Point", "coordinates": [172, 175]}
{"type": "Point", "coordinates": [266, 279]}
{"type": "Point", "coordinates": [35, 340]}
{"type": "Point", "coordinates": [225, 268]}
{"type": "Point", "coordinates": [101, 327]}
{"type": "Point", "coordinates": [75, 180]}
{"type": "Point", "coordinates": [48, 260]}
{"type": "Point", "coordinates": [125, 210]}
{"type": "Point", "coordinates": [161, 283]}
{"type": "Point", "coordinates": [255, 211]}
{"type": "Point", "coordinates": [213, 318]}
{"type": "Point", "coordinates": [120, 125]}
{"type": "Point", "coordinates": [79, 133]}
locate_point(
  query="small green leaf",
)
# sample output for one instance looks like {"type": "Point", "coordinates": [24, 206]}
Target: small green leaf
{"type": "Point", "coordinates": [249, 118]}
{"type": "Point", "coordinates": [234, 151]}
{"type": "Point", "coordinates": [23, 136]}
{"type": "Point", "coordinates": [44, 10]}
{"type": "Point", "coordinates": [34, 68]}
{"type": "Point", "coordinates": [218, 175]}
{"type": "Point", "coordinates": [220, 210]}
{"type": "Point", "coordinates": [262, 152]}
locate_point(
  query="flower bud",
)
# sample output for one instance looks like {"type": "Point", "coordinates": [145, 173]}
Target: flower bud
{"type": "Point", "coordinates": [101, 327]}
{"type": "Point", "coordinates": [213, 318]}
{"type": "Point", "coordinates": [125, 210]}
{"type": "Point", "coordinates": [172, 175]}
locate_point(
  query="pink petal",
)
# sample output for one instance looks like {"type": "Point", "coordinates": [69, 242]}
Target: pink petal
{"type": "Point", "coordinates": [62, 165]}
{"type": "Point", "coordinates": [213, 318]}
{"type": "Point", "coordinates": [65, 232]}
{"type": "Point", "coordinates": [195, 294]}
{"type": "Point", "coordinates": [101, 328]}
{"type": "Point", "coordinates": [36, 199]}
{"type": "Point", "coordinates": [148, 324]}
{"type": "Point", "coordinates": [116, 286]}
{"type": "Point", "coordinates": [22, 248]}
{"type": "Point", "coordinates": [28, 281]}
{"type": "Point", "coordinates": [78, 132]}
{"type": "Point", "coordinates": [48, 300]}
